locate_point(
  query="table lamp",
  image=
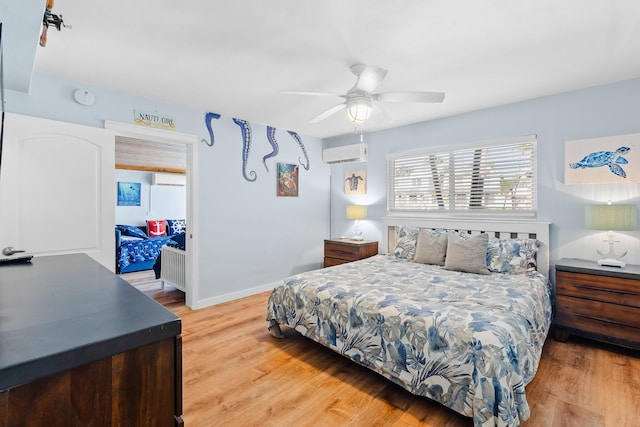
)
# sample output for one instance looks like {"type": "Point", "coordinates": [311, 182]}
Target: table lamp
{"type": "Point", "coordinates": [357, 213]}
{"type": "Point", "coordinates": [611, 218]}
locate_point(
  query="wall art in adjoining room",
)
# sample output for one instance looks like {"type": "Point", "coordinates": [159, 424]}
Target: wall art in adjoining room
{"type": "Point", "coordinates": [128, 194]}
{"type": "Point", "coordinates": [287, 180]}
{"type": "Point", "coordinates": [355, 182]}
{"type": "Point", "coordinates": [606, 160]}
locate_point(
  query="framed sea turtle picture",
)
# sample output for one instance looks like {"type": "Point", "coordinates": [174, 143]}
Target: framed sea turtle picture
{"type": "Point", "coordinates": [606, 160]}
{"type": "Point", "coordinates": [355, 182]}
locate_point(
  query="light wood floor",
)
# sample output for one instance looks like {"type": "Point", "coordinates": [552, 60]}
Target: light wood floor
{"type": "Point", "coordinates": [145, 281]}
{"type": "Point", "coordinates": [236, 374]}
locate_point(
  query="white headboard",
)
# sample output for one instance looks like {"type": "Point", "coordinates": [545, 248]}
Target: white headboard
{"type": "Point", "coordinates": [499, 229]}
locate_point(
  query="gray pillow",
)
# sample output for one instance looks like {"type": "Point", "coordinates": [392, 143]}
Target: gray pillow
{"type": "Point", "coordinates": [467, 255]}
{"type": "Point", "coordinates": [431, 247]}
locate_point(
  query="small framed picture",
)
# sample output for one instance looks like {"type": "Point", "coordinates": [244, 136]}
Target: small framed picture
{"type": "Point", "coordinates": [355, 182]}
{"type": "Point", "coordinates": [287, 180]}
{"type": "Point", "coordinates": [128, 194]}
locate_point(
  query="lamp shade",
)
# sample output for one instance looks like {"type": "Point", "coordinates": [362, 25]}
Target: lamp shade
{"type": "Point", "coordinates": [611, 217]}
{"type": "Point", "coordinates": [356, 212]}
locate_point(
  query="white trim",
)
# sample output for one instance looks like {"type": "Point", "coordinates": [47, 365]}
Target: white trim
{"type": "Point", "coordinates": [539, 228]}
{"type": "Point", "coordinates": [236, 295]}
{"type": "Point", "coordinates": [480, 144]}
{"type": "Point", "coordinates": [193, 193]}
{"type": "Point", "coordinates": [142, 132]}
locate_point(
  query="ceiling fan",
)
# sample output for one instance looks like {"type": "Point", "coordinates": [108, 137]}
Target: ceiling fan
{"type": "Point", "coordinates": [360, 98]}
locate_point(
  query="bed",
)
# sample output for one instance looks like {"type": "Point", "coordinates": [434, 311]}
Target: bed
{"type": "Point", "coordinates": [469, 340]}
{"type": "Point", "coordinates": [135, 251]}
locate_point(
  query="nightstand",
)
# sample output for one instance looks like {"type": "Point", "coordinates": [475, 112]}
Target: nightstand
{"type": "Point", "coordinates": [341, 251]}
{"type": "Point", "coordinates": [598, 302]}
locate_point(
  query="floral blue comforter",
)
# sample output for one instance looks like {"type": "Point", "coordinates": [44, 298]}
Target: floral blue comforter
{"type": "Point", "coordinates": [471, 342]}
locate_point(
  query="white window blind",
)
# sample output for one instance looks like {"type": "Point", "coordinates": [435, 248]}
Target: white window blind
{"type": "Point", "coordinates": [498, 176]}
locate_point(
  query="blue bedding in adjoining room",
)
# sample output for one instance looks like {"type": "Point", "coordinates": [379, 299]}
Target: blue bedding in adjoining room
{"type": "Point", "coordinates": [143, 252]}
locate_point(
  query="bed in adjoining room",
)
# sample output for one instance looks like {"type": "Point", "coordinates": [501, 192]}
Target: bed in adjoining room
{"type": "Point", "coordinates": [457, 312]}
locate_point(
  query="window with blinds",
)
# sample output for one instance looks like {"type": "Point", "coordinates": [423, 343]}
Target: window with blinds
{"type": "Point", "coordinates": [485, 178]}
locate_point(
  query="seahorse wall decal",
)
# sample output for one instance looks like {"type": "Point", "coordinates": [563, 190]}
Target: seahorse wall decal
{"type": "Point", "coordinates": [299, 141]}
{"type": "Point", "coordinates": [271, 136]}
{"type": "Point", "coordinates": [245, 127]}
{"type": "Point", "coordinates": [207, 121]}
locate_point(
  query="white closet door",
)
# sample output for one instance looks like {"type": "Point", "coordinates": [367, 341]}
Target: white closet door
{"type": "Point", "coordinates": [57, 188]}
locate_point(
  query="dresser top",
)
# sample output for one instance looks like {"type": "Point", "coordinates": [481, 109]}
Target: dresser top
{"type": "Point", "coordinates": [63, 311]}
{"type": "Point", "coordinates": [575, 265]}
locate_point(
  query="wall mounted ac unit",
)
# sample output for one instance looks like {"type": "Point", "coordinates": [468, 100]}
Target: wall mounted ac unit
{"type": "Point", "coordinates": [168, 179]}
{"type": "Point", "coordinates": [346, 154]}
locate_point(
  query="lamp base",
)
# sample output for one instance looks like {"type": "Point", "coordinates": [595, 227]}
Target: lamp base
{"type": "Point", "coordinates": [610, 262]}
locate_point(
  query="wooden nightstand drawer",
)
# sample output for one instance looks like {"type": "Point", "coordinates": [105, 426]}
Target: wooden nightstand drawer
{"type": "Point", "coordinates": [597, 302]}
{"type": "Point", "coordinates": [600, 318]}
{"type": "Point", "coordinates": [345, 252]}
{"type": "Point", "coordinates": [600, 288]}
{"type": "Point", "coordinates": [340, 251]}
{"type": "Point", "coordinates": [330, 262]}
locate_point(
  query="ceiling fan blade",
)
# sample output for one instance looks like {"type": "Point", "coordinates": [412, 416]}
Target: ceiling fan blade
{"type": "Point", "coordinates": [298, 92]}
{"type": "Point", "coordinates": [409, 97]}
{"type": "Point", "coordinates": [380, 115]}
{"type": "Point", "coordinates": [369, 77]}
{"type": "Point", "coordinates": [327, 113]}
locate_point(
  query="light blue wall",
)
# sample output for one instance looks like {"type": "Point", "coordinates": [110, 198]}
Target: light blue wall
{"type": "Point", "coordinates": [596, 112]}
{"type": "Point", "coordinates": [134, 215]}
{"type": "Point", "coordinates": [156, 201]}
{"type": "Point", "coordinates": [248, 236]}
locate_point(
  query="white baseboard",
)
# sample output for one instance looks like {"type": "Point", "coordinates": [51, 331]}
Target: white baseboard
{"type": "Point", "coordinates": [207, 302]}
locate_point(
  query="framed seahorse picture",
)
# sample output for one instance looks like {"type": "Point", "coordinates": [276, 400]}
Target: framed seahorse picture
{"type": "Point", "coordinates": [355, 182]}
{"type": "Point", "coordinates": [605, 160]}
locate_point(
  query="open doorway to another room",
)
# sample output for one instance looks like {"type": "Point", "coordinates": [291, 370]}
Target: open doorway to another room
{"type": "Point", "coordinates": [153, 215]}
{"type": "Point", "coordinates": [151, 212]}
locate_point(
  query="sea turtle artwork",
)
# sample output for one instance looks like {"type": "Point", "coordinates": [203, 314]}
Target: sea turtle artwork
{"type": "Point", "coordinates": [612, 159]}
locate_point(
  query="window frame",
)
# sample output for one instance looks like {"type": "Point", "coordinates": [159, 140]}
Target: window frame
{"type": "Point", "coordinates": [449, 186]}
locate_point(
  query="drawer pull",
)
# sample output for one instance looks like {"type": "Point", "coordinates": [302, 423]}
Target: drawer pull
{"type": "Point", "coordinates": [601, 289]}
{"type": "Point", "coordinates": [600, 319]}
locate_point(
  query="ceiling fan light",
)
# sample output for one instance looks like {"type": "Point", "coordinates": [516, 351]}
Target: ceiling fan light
{"type": "Point", "coordinates": [359, 110]}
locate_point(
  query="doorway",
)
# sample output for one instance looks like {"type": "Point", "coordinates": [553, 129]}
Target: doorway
{"type": "Point", "coordinates": [190, 144]}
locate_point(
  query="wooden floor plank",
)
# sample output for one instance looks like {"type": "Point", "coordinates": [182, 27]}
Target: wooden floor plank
{"type": "Point", "coordinates": [237, 374]}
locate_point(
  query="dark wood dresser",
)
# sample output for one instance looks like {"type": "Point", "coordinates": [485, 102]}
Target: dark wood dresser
{"type": "Point", "coordinates": [79, 346]}
{"type": "Point", "coordinates": [601, 303]}
{"type": "Point", "coordinates": [340, 251]}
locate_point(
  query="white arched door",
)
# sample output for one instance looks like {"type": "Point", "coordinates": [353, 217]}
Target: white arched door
{"type": "Point", "coordinates": [57, 188]}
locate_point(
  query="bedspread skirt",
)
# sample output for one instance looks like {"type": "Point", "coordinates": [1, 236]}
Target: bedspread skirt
{"type": "Point", "coordinates": [468, 341]}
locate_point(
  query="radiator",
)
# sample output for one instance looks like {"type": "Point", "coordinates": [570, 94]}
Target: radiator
{"type": "Point", "coordinates": [173, 268]}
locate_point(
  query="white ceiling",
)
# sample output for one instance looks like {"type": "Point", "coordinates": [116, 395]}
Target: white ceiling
{"type": "Point", "coordinates": [236, 57]}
